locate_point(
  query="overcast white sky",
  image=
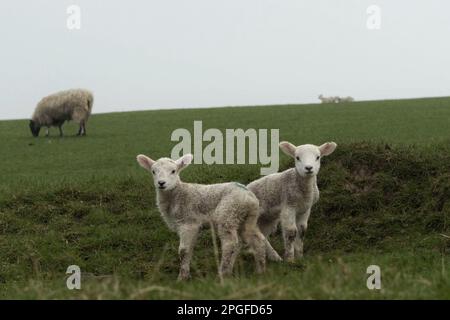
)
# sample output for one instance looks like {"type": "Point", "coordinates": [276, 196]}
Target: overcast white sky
{"type": "Point", "coordinates": [152, 54]}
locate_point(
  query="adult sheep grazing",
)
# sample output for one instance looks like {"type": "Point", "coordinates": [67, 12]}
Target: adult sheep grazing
{"type": "Point", "coordinates": [288, 197]}
{"type": "Point", "coordinates": [186, 207]}
{"type": "Point", "coordinates": [55, 109]}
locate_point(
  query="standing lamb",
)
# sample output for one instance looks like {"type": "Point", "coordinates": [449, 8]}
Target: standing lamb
{"type": "Point", "coordinates": [287, 197]}
{"type": "Point", "coordinates": [186, 207]}
{"type": "Point", "coordinates": [55, 109]}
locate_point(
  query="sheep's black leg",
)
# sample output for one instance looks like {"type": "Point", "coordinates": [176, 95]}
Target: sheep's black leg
{"type": "Point", "coordinates": [60, 131]}
{"type": "Point", "coordinates": [79, 131]}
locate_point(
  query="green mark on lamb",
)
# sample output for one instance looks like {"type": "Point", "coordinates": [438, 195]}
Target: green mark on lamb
{"type": "Point", "coordinates": [241, 185]}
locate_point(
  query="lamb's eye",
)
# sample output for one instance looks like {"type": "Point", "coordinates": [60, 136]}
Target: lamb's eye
{"type": "Point", "coordinates": [298, 158]}
{"type": "Point", "coordinates": [318, 157]}
{"type": "Point", "coordinates": [173, 171]}
{"type": "Point", "coordinates": [153, 171]}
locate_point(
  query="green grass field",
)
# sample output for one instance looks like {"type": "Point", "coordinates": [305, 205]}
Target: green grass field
{"type": "Point", "coordinates": [385, 200]}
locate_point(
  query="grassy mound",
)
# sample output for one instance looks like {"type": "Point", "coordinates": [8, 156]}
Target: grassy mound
{"type": "Point", "coordinates": [379, 197]}
{"type": "Point", "coordinates": [374, 198]}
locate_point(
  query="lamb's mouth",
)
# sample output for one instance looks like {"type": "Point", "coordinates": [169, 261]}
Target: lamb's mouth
{"type": "Point", "coordinates": [161, 187]}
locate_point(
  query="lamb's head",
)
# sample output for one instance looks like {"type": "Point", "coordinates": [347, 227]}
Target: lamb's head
{"type": "Point", "coordinates": [35, 128]}
{"type": "Point", "coordinates": [165, 171]}
{"type": "Point", "coordinates": [307, 156]}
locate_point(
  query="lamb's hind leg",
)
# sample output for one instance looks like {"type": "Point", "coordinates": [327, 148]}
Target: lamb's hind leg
{"type": "Point", "coordinates": [257, 243]}
{"type": "Point", "coordinates": [230, 249]}
{"type": "Point", "coordinates": [188, 236]}
{"type": "Point", "coordinates": [266, 229]}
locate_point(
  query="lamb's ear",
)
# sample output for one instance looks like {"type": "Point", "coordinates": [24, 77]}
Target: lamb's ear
{"type": "Point", "coordinates": [288, 148]}
{"type": "Point", "coordinates": [327, 148]}
{"type": "Point", "coordinates": [145, 161]}
{"type": "Point", "coordinates": [184, 161]}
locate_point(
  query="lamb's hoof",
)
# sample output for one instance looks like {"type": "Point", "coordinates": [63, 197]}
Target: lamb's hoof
{"type": "Point", "coordinates": [261, 270]}
{"type": "Point", "coordinates": [289, 259]}
{"type": "Point", "coordinates": [183, 276]}
{"type": "Point", "coordinates": [278, 259]}
{"type": "Point", "coordinates": [274, 257]}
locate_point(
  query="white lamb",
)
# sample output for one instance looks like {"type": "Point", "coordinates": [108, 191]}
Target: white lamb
{"type": "Point", "coordinates": [287, 197]}
{"type": "Point", "coordinates": [230, 207]}
{"type": "Point", "coordinates": [327, 99]}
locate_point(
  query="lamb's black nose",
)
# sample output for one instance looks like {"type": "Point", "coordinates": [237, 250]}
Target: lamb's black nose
{"type": "Point", "coordinates": [308, 168]}
{"type": "Point", "coordinates": [161, 183]}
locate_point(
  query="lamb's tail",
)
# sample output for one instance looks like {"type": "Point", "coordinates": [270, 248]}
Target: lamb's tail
{"type": "Point", "coordinates": [249, 198]}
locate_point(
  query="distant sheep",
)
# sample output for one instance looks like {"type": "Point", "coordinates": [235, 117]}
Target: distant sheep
{"type": "Point", "coordinates": [288, 197]}
{"type": "Point", "coordinates": [186, 207]}
{"type": "Point", "coordinates": [345, 99]}
{"type": "Point", "coordinates": [327, 99]}
{"type": "Point", "coordinates": [55, 109]}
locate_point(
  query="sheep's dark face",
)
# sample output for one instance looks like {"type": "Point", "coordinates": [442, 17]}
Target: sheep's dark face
{"type": "Point", "coordinates": [34, 128]}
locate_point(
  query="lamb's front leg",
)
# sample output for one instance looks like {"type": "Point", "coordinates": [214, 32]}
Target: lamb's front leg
{"type": "Point", "coordinates": [289, 229]}
{"type": "Point", "coordinates": [188, 235]}
{"type": "Point", "coordinates": [302, 225]}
